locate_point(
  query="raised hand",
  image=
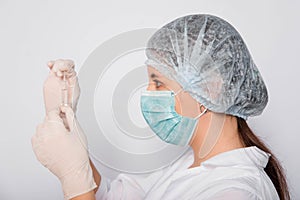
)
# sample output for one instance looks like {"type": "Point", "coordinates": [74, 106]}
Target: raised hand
{"type": "Point", "coordinates": [55, 88]}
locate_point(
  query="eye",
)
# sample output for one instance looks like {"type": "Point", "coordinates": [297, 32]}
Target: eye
{"type": "Point", "coordinates": [157, 83]}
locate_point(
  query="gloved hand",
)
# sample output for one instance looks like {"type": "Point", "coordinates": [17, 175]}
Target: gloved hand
{"type": "Point", "coordinates": [64, 152]}
{"type": "Point", "coordinates": [52, 90]}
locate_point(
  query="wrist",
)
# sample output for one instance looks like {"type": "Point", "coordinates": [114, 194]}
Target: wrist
{"type": "Point", "coordinates": [78, 181]}
{"type": "Point", "coordinates": [96, 176]}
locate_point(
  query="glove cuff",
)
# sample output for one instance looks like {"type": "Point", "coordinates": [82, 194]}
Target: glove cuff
{"type": "Point", "coordinates": [78, 181]}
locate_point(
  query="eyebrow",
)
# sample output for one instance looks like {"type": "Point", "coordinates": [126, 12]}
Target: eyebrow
{"type": "Point", "coordinates": [154, 75]}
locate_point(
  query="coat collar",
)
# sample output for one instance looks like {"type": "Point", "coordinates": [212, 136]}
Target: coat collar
{"type": "Point", "coordinates": [248, 156]}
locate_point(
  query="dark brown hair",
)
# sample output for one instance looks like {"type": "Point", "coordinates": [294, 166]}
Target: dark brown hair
{"type": "Point", "coordinates": [273, 168]}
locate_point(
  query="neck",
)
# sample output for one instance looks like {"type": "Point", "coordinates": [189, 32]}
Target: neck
{"type": "Point", "coordinates": [215, 134]}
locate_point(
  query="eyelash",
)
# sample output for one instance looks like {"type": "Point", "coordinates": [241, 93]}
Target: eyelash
{"type": "Point", "coordinates": [157, 83]}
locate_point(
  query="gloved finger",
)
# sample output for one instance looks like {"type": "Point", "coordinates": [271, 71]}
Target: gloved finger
{"type": "Point", "coordinates": [70, 63]}
{"type": "Point", "coordinates": [59, 73]}
{"type": "Point", "coordinates": [68, 111]}
{"type": "Point", "coordinates": [62, 65]}
{"type": "Point", "coordinates": [37, 147]}
{"type": "Point", "coordinates": [52, 73]}
{"type": "Point", "coordinates": [71, 73]}
{"type": "Point", "coordinates": [73, 91]}
{"type": "Point", "coordinates": [39, 129]}
{"type": "Point", "coordinates": [50, 64]}
{"type": "Point", "coordinates": [35, 142]}
{"type": "Point", "coordinates": [72, 80]}
{"type": "Point", "coordinates": [35, 139]}
{"type": "Point", "coordinates": [81, 136]}
{"type": "Point", "coordinates": [52, 92]}
{"type": "Point", "coordinates": [53, 116]}
{"type": "Point", "coordinates": [57, 67]}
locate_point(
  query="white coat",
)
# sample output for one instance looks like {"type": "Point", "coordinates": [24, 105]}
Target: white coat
{"type": "Point", "coordinates": [235, 175]}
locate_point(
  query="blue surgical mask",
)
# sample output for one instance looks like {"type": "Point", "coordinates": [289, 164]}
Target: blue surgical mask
{"type": "Point", "coordinates": [158, 108]}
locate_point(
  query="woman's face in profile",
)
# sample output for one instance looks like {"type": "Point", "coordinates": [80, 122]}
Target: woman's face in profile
{"type": "Point", "coordinates": [184, 103]}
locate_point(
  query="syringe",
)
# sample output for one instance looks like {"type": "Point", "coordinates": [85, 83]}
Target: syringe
{"type": "Point", "coordinates": [65, 90]}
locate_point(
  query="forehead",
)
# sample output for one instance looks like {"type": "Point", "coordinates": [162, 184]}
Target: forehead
{"type": "Point", "coordinates": [153, 73]}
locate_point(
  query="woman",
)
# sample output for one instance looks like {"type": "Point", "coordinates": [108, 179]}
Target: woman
{"type": "Point", "coordinates": [203, 85]}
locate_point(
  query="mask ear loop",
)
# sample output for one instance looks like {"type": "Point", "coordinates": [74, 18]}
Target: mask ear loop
{"type": "Point", "coordinates": [175, 93]}
{"type": "Point", "coordinates": [197, 117]}
{"type": "Point", "coordinates": [202, 113]}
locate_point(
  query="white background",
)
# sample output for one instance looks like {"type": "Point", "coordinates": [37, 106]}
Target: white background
{"type": "Point", "coordinates": [33, 32]}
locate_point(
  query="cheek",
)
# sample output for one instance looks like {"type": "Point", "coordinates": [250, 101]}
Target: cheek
{"type": "Point", "coordinates": [178, 107]}
{"type": "Point", "coordinates": [186, 105]}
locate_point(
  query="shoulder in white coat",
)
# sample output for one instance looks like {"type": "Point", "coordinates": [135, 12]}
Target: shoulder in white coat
{"type": "Point", "coordinates": [236, 173]}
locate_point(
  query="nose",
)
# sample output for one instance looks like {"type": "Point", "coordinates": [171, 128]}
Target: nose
{"type": "Point", "coordinates": [151, 86]}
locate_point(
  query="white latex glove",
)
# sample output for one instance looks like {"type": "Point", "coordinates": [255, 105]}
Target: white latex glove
{"type": "Point", "coordinates": [64, 152]}
{"type": "Point", "coordinates": [53, 85]}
